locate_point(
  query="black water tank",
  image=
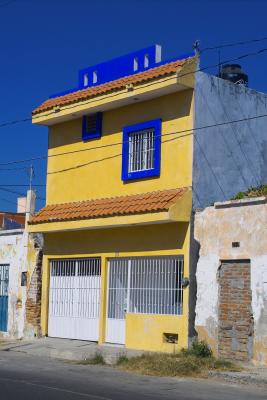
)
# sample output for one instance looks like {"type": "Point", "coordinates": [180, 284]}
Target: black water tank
{"type": "Point", "coordinates": [233, 73]}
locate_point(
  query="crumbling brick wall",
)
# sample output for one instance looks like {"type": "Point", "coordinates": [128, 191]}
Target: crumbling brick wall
{"type": "Point", "coordinates": [34, 291]}
{"type": "Point", "coordinates": [235, 313]}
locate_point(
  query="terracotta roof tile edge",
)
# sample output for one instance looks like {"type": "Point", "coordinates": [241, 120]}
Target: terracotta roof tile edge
{"type": "Point", "coordinates": [111, 85]}
{"type": "Point", "coordinates": [151, 208]}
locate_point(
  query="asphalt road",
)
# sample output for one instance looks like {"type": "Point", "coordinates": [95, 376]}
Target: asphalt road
{"type": "Point", "coordinates": [26, 377]}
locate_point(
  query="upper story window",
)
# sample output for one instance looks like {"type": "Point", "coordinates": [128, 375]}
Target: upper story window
{"type": "Point", "coordinates": [141, 150]}
{"type": "Point", "coordinates": [92, 126]}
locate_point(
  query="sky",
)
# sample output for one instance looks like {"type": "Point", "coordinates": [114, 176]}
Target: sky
{"type": "Point", "coordinates": [43, 44]}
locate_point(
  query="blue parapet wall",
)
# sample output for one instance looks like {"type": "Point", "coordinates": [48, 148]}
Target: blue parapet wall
{"type": "Point", "coordinates": [133, 63]}
{"type": "Point", "coordinates": [129, 64]}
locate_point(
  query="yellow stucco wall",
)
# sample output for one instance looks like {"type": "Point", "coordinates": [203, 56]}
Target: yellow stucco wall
{"type": "Point", "coordinates": [100, 173]}
{"type": "Point", "coordinates": [150, 240]}
{"type": "Point", "coordinates": [96, 173]}
{"type": "Point", "coordinates": [145, 331]}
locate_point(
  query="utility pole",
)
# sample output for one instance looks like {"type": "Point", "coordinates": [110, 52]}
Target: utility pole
{"type": "Point", "coordinates": [31, 176]}
{"type": "Point", "coordinates": [196, 47]}
{"type": "Point", "coordinates": [219, 62]}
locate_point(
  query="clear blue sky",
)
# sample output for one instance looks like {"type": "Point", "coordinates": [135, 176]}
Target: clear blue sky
{"type": "Point", "coordinates": [43, 44]}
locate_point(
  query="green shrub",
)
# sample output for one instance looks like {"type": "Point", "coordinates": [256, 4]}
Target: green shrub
{"type": "Point", "coordinates": [97, 359]}
{"type": "Point", "coordinates": [123, 359]}
{"type": "Point", "coordinates": [201, 349]}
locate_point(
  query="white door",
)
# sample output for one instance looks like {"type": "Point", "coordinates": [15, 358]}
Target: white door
{"type": "Point", "coordinates": [118, 275]}
{"type": "Point", "coordinates": [74, 299]}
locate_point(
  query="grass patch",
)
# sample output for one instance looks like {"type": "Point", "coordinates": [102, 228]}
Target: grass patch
{"type": "Point", "coordinates": [97, 359]}
{"type": "Point", "coordinates": [196, 362]}
{"type": "Point", "coordinates": [252, 192]}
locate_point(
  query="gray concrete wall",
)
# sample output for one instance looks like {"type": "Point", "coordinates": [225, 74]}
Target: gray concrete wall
{"type": "Point", "coordinates": [230, 158]}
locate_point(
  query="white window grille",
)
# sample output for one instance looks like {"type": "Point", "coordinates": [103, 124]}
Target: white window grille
{"type": "Point", "coordinates": [150, 285]}
{"type": "Point", "coordinates": [141, 150]}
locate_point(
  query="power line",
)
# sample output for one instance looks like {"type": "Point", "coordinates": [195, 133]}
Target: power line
{"type": "Point", "coordinates": [233, 44]}
{"type": "Point", "coordinates": [18, 193]}
{"type": "Point", "coordinates": [20, 185]}
{"type": "Point", "coordinates": [190, 131]}
{"type": "Point", "coordinates": [14, 169]}
{"type": "Point", "coordinates": [239, 142]}
{"type": "Point", "coordinates": [12, 191]}
{"type": "Point", "coordinates": [223, 137]}
{"type": "Point", "coordinates": [11, 202]}
{"type": "Point", "coordinates": [212, 171]}
{"type": "Point", "coordinates": [242, 56]}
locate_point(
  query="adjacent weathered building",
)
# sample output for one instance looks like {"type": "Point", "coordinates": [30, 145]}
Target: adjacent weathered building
{"type": "Point", "coordinates": [231, 307]}
{"type": "Point", "coordinates": [20, 283]}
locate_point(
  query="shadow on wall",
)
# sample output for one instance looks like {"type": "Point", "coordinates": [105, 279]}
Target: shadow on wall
{"type": "Point", "coordinates": [114, 120]}
{"type": "Point", "coordinates": [169, 236]}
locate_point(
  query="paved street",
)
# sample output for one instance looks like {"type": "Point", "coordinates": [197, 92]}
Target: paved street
{"type": "Point", "coordinates": [27, 377]}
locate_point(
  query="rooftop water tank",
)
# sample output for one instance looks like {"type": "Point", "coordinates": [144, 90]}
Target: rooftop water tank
{"type": "Point", "coordinates": [233, 73]}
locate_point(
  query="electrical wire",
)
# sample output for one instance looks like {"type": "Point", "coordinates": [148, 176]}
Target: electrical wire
{"type": "Point", "coordinates": [14, 169]}
{"type": "Point", "coordinates": [11, 202]}
{"type": "Point", "coordinates": [21, 185]}
{"type": "Point", "coordinates": [233, 44]}
{"type": "Point", "coordinates": [115, 144]}
{"type": "Point", "coordinates": [12, 191]}
{"type": "Point", "coordinates": [19, 193]}
{"type": "Point", "coordinates": [191, 130]}
{"type": "Point", "coordinates": [242, 56]}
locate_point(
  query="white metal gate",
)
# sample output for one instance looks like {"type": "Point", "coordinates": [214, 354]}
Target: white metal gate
{"type": "Point", "coordinates": [74, 298]}
{"type": "Point", "coordinates": [151, 285]}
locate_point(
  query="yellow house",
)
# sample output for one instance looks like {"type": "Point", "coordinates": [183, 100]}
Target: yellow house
{"type": "Point", "coordinates": [116, 224]}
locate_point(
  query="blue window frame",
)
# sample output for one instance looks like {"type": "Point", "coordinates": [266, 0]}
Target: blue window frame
{"type": "Point", "coordinates": [92, 126]}
{"type": "Point", "coordinates": [141, 150]}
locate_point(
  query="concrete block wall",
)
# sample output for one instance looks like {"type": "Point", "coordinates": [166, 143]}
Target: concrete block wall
{"type": "Point", "coordinates": [232, 157]}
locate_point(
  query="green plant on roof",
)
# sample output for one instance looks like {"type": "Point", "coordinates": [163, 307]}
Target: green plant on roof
{"type": "Point", "coordinates": [254, 191]}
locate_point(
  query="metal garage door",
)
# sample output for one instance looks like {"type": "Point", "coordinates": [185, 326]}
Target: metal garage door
{"type": "Point", "coordinates": [74, 298]}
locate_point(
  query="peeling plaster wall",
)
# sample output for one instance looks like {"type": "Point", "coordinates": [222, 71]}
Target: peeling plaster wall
{"type": "Point", "coordinates": [12, 252]}
{"type": "Point", "coordinates": [21, 254]}
{"type": "Point", "coordinates": [215, 230]}
{"type": "Point", "coordinates": [34, 287]}
{"type": "Point", "coordinates": [232, 157]}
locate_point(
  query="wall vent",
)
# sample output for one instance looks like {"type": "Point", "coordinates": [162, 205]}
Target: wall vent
{"type": "Point", "coordinates": [170, 338]}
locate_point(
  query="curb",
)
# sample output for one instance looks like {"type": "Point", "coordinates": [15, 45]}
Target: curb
{"type": "Point", "coordinates": [240, 377]}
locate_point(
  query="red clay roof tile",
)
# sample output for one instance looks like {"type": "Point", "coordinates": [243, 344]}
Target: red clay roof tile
{"type": "Point", "coordinates": [84, 94]}
{"type": "Point", "coordinates": [99, 208]}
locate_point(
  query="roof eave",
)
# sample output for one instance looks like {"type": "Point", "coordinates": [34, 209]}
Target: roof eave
{"type": "Point", "coordinates": [117, 98]}
{"type": "Point", "coordinates": [178, 211]}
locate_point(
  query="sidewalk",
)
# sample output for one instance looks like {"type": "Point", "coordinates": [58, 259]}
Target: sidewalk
{"type": "Point", "coordinates": [256, 375]}
{"type": "Point", "coordinates": [77, 350]}
{"type": "Point", "coordinates": [66, 349]}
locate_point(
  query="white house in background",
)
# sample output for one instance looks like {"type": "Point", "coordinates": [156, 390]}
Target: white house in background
{"type": "Point", "coordinates": [19, 262]}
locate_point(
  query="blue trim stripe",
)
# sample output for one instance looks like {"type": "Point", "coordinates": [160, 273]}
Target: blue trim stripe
{"type": "Point", "coordinates": [154, 124]}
